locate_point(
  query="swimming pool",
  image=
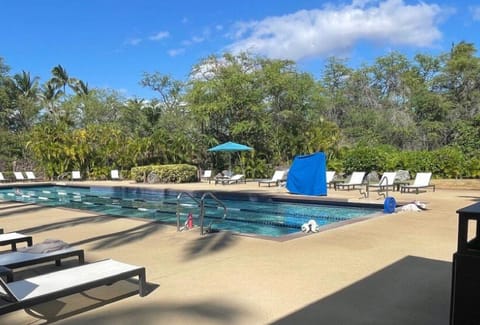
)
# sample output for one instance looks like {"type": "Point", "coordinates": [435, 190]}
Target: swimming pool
{"type": "Point", "coordinates": [255, 215]}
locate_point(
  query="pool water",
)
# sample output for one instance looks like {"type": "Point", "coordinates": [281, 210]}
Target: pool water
{"type": "Point", "coordinates": [259, 217]}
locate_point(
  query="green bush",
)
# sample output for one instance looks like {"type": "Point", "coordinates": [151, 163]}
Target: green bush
{"type": "Point", "coordinates": [472, 167]}
{"type": "Point", "coordinates": [99, 173]}
{"type": "Point", "coordinates": [417, 161]}
{"type": "Point", "coordinates": [179, 173]}
{"type": "Point", "coordinates": [449, 162]}
{"type": "Point", "coordinates": [364, 158]}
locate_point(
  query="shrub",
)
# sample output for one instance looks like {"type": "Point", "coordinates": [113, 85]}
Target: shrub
{"type": "Point", "coordinates": [180, 173]}
{"type": "Point", "coordinates": [364, 158]}
{"type": "Point", "coordinates": [449, 162]}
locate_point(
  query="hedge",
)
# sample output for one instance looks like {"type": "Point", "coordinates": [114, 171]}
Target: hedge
{"type": "Point", "coordinates": [178, 173]}
{"type": "Point", "coordinates": [446, 162]}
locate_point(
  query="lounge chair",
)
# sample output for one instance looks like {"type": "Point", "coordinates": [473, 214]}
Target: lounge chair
{"type": "Point", "coordinates": [43, 288]}
{"type": "Point", "coordinates": [207, 175]}
{"type": "Point", "coordinates": [115, 174]}
{"type": "Point", "coordinates": [235, 179]}
{"type": "Point", "coordinates": [30, 176]}
{"type": "Point", "coordinates": [2, 179]}
{"type": "Point", "coordinates": [422, 180]}
{"type": "Point", "coordinates": [277, 178]}
{"type": "Point", "coordinates": [356, 179]}
{"type": "Point", "coordinates": [330, 174]}
{"type": "Point", "coordinates": [13, 260]}
{"type": "Point", "coordinates": [76, 176]}
{"type": "Point", "coordinates": [19, 176]}
{"type": "Point", "coordinates": [387, 181]}
{"type": "Point", "coordinates": [13, 238]}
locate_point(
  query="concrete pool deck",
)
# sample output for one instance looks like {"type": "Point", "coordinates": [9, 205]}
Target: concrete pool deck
{"type": "Point", "coordinates": [392, 269]}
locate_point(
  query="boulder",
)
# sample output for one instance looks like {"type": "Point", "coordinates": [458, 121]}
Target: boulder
{"type": "Point", "coordinates": [373, 177]}
{"type": "Point", "coordinates": [402, 175]}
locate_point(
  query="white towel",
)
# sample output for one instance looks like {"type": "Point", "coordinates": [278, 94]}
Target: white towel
{"type": "Point", "coordinates": [47, 246]}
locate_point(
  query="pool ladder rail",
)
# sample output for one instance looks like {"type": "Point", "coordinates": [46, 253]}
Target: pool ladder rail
{"type": "Point", "coordinates": [382, 189]}
{"type": "Point", "coordinates": [200, 203]}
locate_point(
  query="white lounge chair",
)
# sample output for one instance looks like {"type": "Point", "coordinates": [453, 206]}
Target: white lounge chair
{"type": "Point", "coordinates": [422, 180]}
{"type": "Point", "coordinates": [19, 176]}
{"type": "Point", "coordinates": [76, 176]}
{"type": "Point", "coordinates": [13, 238]}
{"type": "Point", "coordinates": [2, 179]}
{"type": "Point", "coordinates": [330, 174]}
{"type": "Point", "coordinates": [115, 174]}
{"type": "Point", "coordinates": [356, 179]}
{"type": "Point", "coordinates": [237, 178]}
{"type": "Point", "coordinates": [43, 288]}
{"type": "Point", "coordinates": [28, 256]}
{"type": "Point", "coordinates": [387, 181]}
{"type": "Point", "coordinates": [207, 175]}
{"type": "Point", "coordinates": [277, 178]}
{"type": "Point", "coordinates": [30, 176]}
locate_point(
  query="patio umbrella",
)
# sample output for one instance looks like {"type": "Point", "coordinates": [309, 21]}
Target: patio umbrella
{"type": "Point", "coordinates": [230, 147]}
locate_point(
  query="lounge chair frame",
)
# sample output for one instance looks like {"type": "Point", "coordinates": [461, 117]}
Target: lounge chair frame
{"type": "Point", "coordinates": [14, 260]}
{"type": "Point", "coordinates": [329, 177]}
{"type": "Point", "coordinates": [235, 179]}
{"type": "Point", "coordinates": [115, 175]}
{"type": "Point", "coordinates": [13, 238]}
{"type": "Point", "coordinates": [207, 175]}
{"type": "Point", "coordinates": [31, 176]}
{"type": "Point", "coordinates": [350, 184]}
{"type": "Point", "coordinates": [76, 175]}
{"type": "Point", "coordinates": [72, 273]}
{"type": "Point", "coordinates": [416, 186]}
{"type": "Point", "coordinates": [387, 182]}
{"type": "Point", "coordinates": [276, 180]}
{"type": "Point", "coordinates": [19, 176]}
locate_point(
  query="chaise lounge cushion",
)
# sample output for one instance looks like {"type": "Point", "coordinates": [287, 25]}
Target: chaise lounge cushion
{"type": "Point", "coordinates": [43, 288]}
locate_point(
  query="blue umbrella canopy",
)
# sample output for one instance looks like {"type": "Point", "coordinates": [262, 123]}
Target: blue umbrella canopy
{"type": "Point", "coordinates": [230, 147]}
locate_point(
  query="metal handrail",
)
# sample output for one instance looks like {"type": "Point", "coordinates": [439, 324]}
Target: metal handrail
{"type": "Point", "coordinates": [380, 188]}
{"type": "Point", "coordinates": [202, 208]}
{"type": "Point", "coordinates": [179, 196]}
{"type": "Point", "coordinates": [386, 186]}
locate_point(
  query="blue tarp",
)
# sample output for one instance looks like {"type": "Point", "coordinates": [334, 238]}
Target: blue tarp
{"type": "Point", "coordinates": [307, 175]}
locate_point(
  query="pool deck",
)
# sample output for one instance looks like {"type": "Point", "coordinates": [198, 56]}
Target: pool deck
{"type": "Point", "coordinates": [392, 269]}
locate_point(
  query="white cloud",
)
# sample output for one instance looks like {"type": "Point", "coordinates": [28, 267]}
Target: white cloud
{"type": "Point", "coordinates": [197, 39]}
{"type": "Point", "coordinates": [133, 41]}
{"type": "Point", "coordinates": [475, 10]}
{"type": "Point", "coordinates": [159, 36]}
{"type": "Point", "coordinates": [175, 52]}
{"type": "Point", "coordinates": [333, 30]}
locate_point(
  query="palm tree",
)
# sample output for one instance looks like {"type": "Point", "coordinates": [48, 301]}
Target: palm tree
{"type": "Point", "coordinates": [50, 95]}
{"type": "Point", "coordinates": [24, 84]}
{"type": "Point", "coordinates": [79, 87]}
{"type": "Point", "coordinates": [60, 77]}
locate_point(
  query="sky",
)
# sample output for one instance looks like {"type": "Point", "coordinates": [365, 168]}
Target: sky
{"type": "Point", "coordinates": [112, 43]}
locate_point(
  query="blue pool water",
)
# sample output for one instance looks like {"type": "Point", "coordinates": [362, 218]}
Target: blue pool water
{"type": "Point", "coordinates": [247, 215]}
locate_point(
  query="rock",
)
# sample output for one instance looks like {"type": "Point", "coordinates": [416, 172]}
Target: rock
{"type": "Point", "coordinates": [373, 177]}
{"type": "Point", "coordinates": [402, 175]}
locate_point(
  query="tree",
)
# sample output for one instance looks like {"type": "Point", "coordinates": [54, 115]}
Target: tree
{"type": "Point", "coordinates": [61, 79]}
{"type": "Point", "coordinates": [335, 79]}
{"type": "Point", "coordinates": [50, 96]}
{"type": "Point", "coordinates": [79, 87]}
{"type": "Point", "coordinates": [460, 79]}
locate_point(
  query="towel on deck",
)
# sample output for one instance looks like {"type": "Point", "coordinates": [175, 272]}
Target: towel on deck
{"type": "Point", "coordinates": [47, 246]}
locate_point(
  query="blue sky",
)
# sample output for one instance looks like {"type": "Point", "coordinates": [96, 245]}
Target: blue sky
{"type": "Point", "coordinates": [111, 43]}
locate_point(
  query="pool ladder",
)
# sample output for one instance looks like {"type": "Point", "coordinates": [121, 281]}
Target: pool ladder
{"type": "Point", "coordinates": [201, 204]}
